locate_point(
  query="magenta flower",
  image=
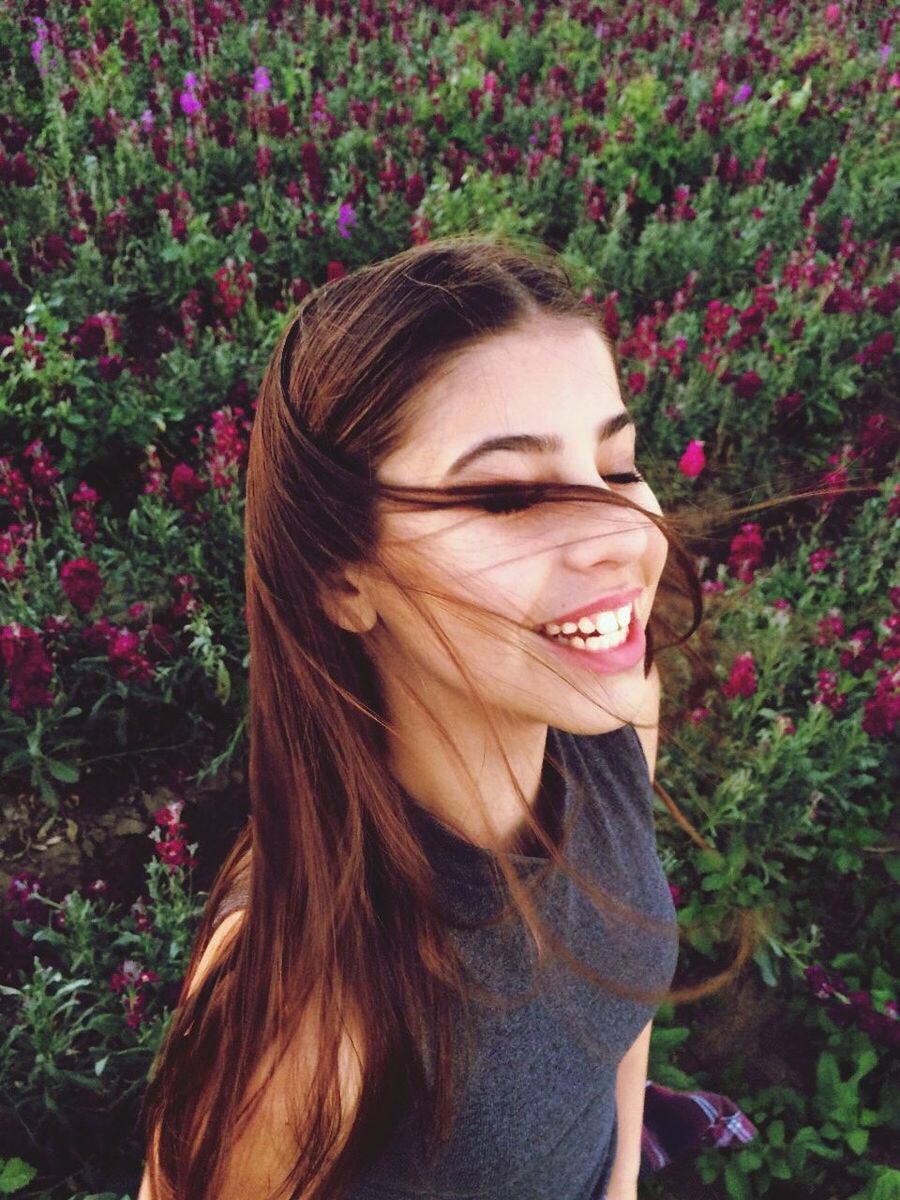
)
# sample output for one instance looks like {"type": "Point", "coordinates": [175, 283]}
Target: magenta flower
{"type": "Point", "coordinates": [28, 666]}
{"type": "Point", "coordinates": [827, 693]}
{"type": "Point", "coordinates": [819, 559]}
{"type": "Point", "coordinates": [742, 680]}
{"type": "Point", "coordinates": [746, 552]}
{"type": "Point", "coordinates": [186, 485]}
{"type": "Point", "coordinates": [861, 652]}
{"type": "Point", "coordinates": [190, 104]}
{"type": "Point", "coordinates": [881, 711]}
{"type": "Point", "coordinates": [22, 895]}
{"type": "Point", "coordinates": [831, 626]}
{"type": "Point", "coordinates": [693, 460]}
{"type": "Point", "coordinates": [81, 582]}
{"type": "Point", "coordinates": [261, 82]}
{"type": "Point", "coordinates": [747, 385]}
{"type": "Point", "coordinates": [347, 217]}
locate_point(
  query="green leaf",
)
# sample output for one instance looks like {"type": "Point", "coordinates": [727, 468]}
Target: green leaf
{"type": "Point", "coordinates": [15, 1174]}
{"type": "Point", "coordinates": [857, 1140]}
{"type": "Point", "coordinates": [64, 772]}
{"type": "Point", "coordinates": [736, 1183]}
{"type": "Point", "coordinates": [887, 1184]}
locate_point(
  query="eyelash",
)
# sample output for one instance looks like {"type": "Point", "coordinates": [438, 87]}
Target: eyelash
{"type": "Point", "coordinates": [508, 508]}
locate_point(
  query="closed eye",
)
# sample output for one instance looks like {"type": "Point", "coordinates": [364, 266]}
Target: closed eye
{"type": "Point", "coordinates": [517, 502]}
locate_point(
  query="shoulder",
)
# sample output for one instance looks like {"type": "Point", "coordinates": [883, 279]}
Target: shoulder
{"type": "Point", "coordinates": [225, 931]}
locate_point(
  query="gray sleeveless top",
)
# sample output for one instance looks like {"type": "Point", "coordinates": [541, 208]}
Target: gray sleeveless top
{"type": "Point", "coordinates": [537, 1117]}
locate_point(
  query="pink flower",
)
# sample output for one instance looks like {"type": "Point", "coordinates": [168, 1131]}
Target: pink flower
{"type": "Point", "coordinates": [746, 552]}
{"type": "Point", "coordinates": [819, 559]}
{"type": "Point", "coordinates": [861, 652]}
{"type": "Point", "coordinates": [186, 485]}
{"type": "Point", "coordinates": [175, 853]}
{"type": "Point", "coordinates": [693, 460]}
{"type": "Point", "coordinates": [169, 816]}
{"type": "Point", "coordinates": [827, 693]}
{"type": "Point", "coordinates": [882, 710]}
{"type": "Point", "coordinates": [830, 627]}
{"type": "Point", "coordinates": [742, 681]}
{"type": "Point", "coordinates": [81, 583]}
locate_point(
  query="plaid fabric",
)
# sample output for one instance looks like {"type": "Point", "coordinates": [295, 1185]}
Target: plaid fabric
{"type": "Point", "coordinates": [679, 1125]}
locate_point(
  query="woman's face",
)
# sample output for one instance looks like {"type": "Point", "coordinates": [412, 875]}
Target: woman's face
{"type": "Point", "coordinates": [552, 380]}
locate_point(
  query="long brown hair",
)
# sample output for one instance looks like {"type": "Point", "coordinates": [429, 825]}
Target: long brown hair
{"type": "Point", "coordinates": [343, 910]}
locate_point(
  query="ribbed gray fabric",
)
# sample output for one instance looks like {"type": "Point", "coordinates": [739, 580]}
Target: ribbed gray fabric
{"type": "Point", "coordinates": [537, 1118]}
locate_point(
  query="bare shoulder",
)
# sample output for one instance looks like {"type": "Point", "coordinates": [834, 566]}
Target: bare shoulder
{"type": "Point", "coordinates": [262, 1151]}
{"type": "Point", "coordinates": [224, 932]}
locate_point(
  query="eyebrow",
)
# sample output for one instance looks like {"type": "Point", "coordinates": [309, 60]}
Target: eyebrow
{"type": "Point", "coordinates": [533, 443]}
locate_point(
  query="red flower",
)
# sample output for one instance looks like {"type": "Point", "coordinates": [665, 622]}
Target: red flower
{"type": "Point", "coordinates": [742, 681]}
{"type": "Point", "coordinates": [186, 485]}
{"type": "Point", "coordinates": [81, 583]}
{"type": "Point", "coordinates": [28, 666]}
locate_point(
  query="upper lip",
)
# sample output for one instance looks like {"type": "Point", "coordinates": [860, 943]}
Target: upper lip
{"type": "Point", "coordinates": [611, 600]}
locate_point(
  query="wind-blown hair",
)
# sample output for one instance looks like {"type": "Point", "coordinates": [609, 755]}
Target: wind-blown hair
{"type": "Point", "coordinates": [343, 914]}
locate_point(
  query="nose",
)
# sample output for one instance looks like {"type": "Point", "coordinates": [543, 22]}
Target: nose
{"type": "Point", "coordinates": [596, 533]}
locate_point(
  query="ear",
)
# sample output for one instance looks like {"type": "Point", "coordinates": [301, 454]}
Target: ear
{"type": "Point", "coordinates": [346, 601]}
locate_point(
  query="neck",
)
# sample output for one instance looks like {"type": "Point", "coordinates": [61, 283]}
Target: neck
{"type": "Point", "coordinates": [474, 796]}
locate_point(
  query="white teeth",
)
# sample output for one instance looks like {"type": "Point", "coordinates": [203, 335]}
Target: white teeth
{"type": "Point", "coordinates": [607, 643]}
{"type": "Point", "coordinates": [607, 622]}
{"type": "Point", "coordinates": [604, 623]}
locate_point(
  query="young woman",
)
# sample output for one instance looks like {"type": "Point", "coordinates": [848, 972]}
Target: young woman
{"type": "Point", "coordinates": [430, 965]}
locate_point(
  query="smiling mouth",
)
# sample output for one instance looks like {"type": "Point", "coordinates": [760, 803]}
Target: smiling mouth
{"type": "Point", "coordinates": [592, 633]}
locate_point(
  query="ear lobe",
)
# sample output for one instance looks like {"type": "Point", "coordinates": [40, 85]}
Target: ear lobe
{"type": "Point", "coordinates": [346, 603]}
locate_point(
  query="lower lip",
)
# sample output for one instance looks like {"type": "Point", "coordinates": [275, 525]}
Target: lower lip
{"type": "Point", "coordinates": [606, 662]}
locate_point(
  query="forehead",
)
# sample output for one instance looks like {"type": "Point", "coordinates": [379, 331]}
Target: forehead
{"type": "Point", "coordinates": [550, 376]}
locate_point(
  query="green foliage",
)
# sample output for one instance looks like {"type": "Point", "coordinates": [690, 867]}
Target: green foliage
{"type": "Point", "coordinates": [72, 1068]}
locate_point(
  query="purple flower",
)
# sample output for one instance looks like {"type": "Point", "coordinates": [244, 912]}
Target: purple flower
{"type": "Point", "coordinates": [744, 92]}
{"type": "Point", "coordinates": [189, 104]}
{"type": "Point", "coordinates": [884, 53]}
{"type": "Point", "coordinates": [147, 121]}
{"type": "Point", "coordinates": [261, 82]}
{"type": "Point", "coordinates": [190, 80]}
{"type": "Point", "coordinates": [347, 217]}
